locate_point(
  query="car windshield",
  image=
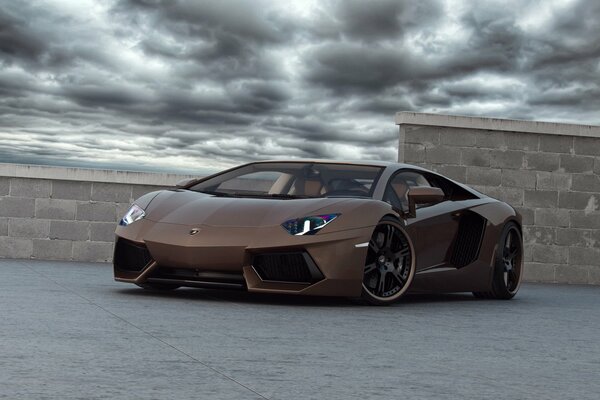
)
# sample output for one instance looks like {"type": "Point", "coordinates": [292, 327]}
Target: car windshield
{"type": "Point", "coordinates": [288, 180]}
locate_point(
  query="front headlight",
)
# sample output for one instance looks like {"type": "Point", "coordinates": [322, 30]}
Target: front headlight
{"type": "Point", "coordinates": [135, 213]}
{"type": "Point", "coordinates": [308, 225]}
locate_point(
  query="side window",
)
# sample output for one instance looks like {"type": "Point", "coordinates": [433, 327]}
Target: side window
{"type": "Point", "coordinates": [397, 188]}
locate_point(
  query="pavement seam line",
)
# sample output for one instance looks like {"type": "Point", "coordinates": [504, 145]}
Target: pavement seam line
{"type": "Point", "coordinates": [215, 370]}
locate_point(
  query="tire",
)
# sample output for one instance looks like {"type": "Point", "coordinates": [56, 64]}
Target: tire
{"type": "Point", "coordinates": [508, 265]}
{"type": "Point", "coordinates": [389, 265]}
{"type": "Point", "coordinates": [158, 287]}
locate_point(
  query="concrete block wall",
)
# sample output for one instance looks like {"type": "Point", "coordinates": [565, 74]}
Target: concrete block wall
{"type": "Point", "coordinates": [55, 213]}
{"type": "Point", "coordinates": [549, 172]}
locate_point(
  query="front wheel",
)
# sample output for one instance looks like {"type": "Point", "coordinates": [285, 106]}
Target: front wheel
{"type": "Point", "coordinates": [390, 264]}
{"type": "Point", "coordinates": [508, 265]}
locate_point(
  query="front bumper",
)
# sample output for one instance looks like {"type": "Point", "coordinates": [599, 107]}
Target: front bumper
{"type": "Point", "coordinates": [325, 264]}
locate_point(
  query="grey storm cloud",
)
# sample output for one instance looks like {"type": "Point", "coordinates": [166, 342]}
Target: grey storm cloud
{"type": "Point", "coordinates": [196, 85]}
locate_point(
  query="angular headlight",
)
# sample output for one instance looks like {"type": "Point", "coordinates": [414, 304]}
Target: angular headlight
{"type": "Point", "coordinates": [135, 213]}
{"type": "Point", "coordinates": [308, 225]}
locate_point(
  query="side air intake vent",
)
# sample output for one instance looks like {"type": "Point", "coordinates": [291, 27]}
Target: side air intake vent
{"type": "Point", "coordinates": [468, 240]}
{"type": "Point", "coordinates": [130, 256]}
{"type": "Point", "coordinates": [286, 267]}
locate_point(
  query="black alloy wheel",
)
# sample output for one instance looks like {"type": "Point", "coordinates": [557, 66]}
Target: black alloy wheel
{"type": "Point", "coordinates": [389, 267]}
{"type": "Point", "coordinates": [508, 266]}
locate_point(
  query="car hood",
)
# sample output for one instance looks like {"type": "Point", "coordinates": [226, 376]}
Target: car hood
{"type": "Point", "coordinates": [193, 208]}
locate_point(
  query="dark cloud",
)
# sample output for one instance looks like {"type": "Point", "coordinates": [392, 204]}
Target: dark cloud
{"type": "Point", "coordinates": [180, 84]}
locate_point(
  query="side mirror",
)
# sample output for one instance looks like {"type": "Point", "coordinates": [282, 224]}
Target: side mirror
{"type": "Point", "coordinates": [186, 182]}
{"type": "Point", "coordinates": [422, 195]}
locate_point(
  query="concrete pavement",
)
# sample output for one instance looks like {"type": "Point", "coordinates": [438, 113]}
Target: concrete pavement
{"type": "Point", "coordinates": [68, 331]}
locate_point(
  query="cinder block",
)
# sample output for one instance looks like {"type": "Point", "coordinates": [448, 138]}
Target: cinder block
{"type": "Point", "coordinates": [586, 183]}
{"type": "Point", "coordinates": [423, 135]}
{"type": "Point", "coordinates": [140, 190]}
{"type": "Point", "coordinates": [475, 157]}
{"type": "Point", "coordinates": [17, 207]}
{"type": "Point", "coordinates": [579, 201]}
{"type": "Point", "coordinates": [539, 272]}
{"type": "Point", "coordinates": [455, 172]}
{"type": "Point", "coordinates": [508, 159]}
{"type": "Point", "coordinates": [25, 187]}
{"type": "Point", "coordinates": [594, 240]}
{"type": "Point", "coordinates": [442, 155]}
{"type": "Point", "coordinates": [484, 176]}
{"type": "Point", "coordinates": [96, 212]}
{"type": "Point", "coordinates": [490, 139]}
{"type": "Point", "coordinates": [573, 237]}
{"type": "Point", "coordinates": [112, 192]}
{"type": "Point", "coordinates": [587, 146]}
{"type": "Point", "coordinates": [528, 254]}
{"type": "Point", "coordinates": [47, 249]}
{"type": "Point", "coordinates": [539, 235]}
{"type": "Point", "coordinates": [519, 178]}
{"type": "Point", "coordinates": [550, 254]}
{"type": "Point", "coordinates": [552, 217]}
{"type": "Point", "coordinates": [594, 272]}
{"type": "Point", "coordinates": [4, 186]}
{"type": "Point", "coordinates": [71, 190]}
{"type": "Point", "coordinates": [55, 209]}
{"type": "Point", "coordinates": [542, 161]}
{"type": "Point", "coordinates": [556, 144]}
{"type": "Point", "coordinates": [522, 141]}
{"type": "Point", "coordinates": [553, 181]}
{"type": "Point", "coordinates": [412, 153]}
{"type": "Point", "coordinates": [584, 256]}
{"type": "Point", "coordinates": [597, 165]}
{"type": "Point", "coordinates": [527, 215]}
{"type": "Point", "coordinates": [458, 137]}
{"type": "Point", "coordinates": [69, 230]}
{"type": "Point", "coordinates": [576, 164]}
{"type": "Point", "coordinates": [11, 247]}
{"type": "Point", "coordinates": [541, 198]}
{"type": "Point", "coordinates": [3, 226]}
{"type": "Point", "coordinates": [122, 208]}
{"type": "Point", "coordinates": [575, 274]}
{"type": "Point", "coordinates": [92, 251]}
{"type": "Point", "coordinates": [102, 231]}
{"type": "Point", "coordinates": [28, 227]}
{"type": "Point", "coordinates": [583, 220]}
{"type": "Point", "coordinates": [512, 196]}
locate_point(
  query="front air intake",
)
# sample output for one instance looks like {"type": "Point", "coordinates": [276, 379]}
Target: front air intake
{"type": "Point", "coordinates": [130, 256]}
{"type": "Point", "coordinates": [287, 267]}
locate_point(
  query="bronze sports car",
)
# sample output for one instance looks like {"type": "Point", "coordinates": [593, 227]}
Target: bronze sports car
{"type": "Point", "coordinates": [327, 228]}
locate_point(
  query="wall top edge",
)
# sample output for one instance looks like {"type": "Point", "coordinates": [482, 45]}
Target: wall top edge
{"type": "Point", "coordinates": [90, 175]}
{"type": "Point", "coordinates": [497, 124]}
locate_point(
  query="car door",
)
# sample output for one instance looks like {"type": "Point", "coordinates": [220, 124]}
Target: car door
{"type": "Point", "coordinates": [435, 226]}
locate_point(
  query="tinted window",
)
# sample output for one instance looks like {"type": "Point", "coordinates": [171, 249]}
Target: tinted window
{"type": "Point", "coordinates": [294, 179]}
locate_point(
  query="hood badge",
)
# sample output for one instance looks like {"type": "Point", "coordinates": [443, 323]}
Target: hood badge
{"type": "Point", "coordinates": [193, 231]}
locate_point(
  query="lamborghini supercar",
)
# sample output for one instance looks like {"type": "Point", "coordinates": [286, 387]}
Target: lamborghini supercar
{"type": "Point", "coordinates": [328, 228]}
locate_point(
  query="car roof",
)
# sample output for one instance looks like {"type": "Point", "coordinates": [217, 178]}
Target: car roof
{"type": "Point", "coordinates": [383, 164]}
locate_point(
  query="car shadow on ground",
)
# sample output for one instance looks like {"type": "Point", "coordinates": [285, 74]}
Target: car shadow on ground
{"type": "Point", "coordinates": [234, 296]}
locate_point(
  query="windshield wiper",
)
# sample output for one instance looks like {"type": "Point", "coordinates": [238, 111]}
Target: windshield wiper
{"type": "Point", "coordinates": [217, 194]}
{"type": "Point", "coordinates": [274, 195]}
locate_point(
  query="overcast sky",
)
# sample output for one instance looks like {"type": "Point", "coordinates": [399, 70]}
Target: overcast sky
{"type": "Point", "coordinates": [189, 85]}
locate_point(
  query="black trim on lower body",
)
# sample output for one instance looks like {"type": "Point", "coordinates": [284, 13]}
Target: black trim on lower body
{"type": "Point", "coordinates": [295, 267]}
